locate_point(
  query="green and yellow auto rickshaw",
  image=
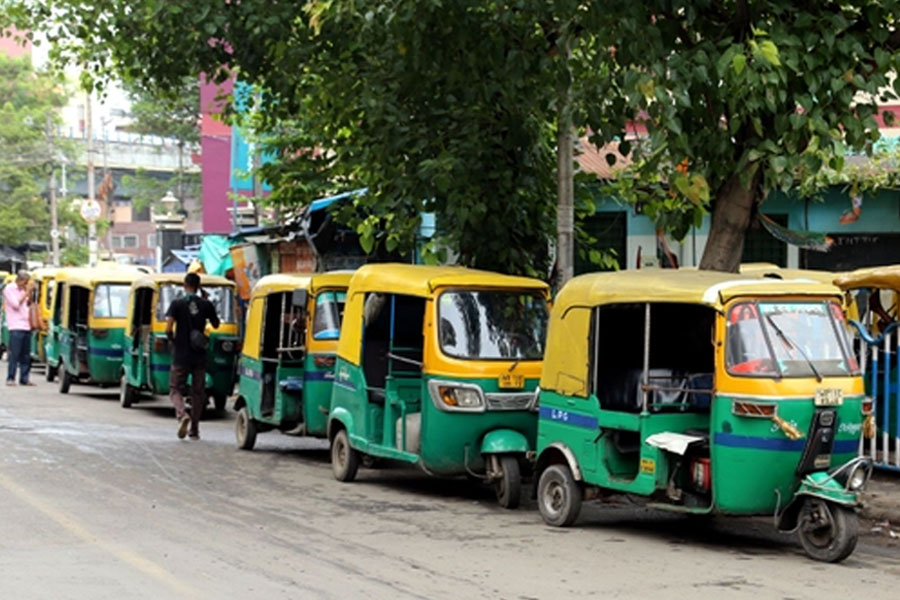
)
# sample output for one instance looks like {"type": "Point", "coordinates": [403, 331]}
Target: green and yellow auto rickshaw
{"type": "Point", "coordinates": [437, 366]}
{"type": "Point", "coordinates": [88, 328]}
{"type": "Point", "coordinates": [42, 306]}
{"type": "Point", "coordinates": [704, 393]}
{"type": "Point", "coordinates": [148, 354]}
{"type": "Point", "coordinates": [287, 365]}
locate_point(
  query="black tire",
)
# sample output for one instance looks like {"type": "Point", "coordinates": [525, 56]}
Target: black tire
{"type": "Point", "coordinates": [50, 373]}
{"type": "Point", "coordinates": [127, 393]}
{"type": "Point", "coordinates": [220, 401]}
{"type": "Point", "coordinates": [65, 379]}
{"type": "Point", "coordinates": [244, 429]}
{"type": "Point", "coordinates": [344, 459]}
{"type": "Point", "coordinates": [559, 496]}
{"type": "Point", "coordinates": [508, 487]}
{"type": "Point", "coordinates": [828, 532]}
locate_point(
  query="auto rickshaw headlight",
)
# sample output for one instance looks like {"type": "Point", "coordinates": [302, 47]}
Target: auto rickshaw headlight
{"type": "Point", "coordinates": [858, 478]}
{"type": "Point", "coordinates": [461, 397]}
{"type": "Point", "coordinates": [227, 346]}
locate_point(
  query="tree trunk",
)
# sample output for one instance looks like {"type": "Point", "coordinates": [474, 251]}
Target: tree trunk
{"type": "Point", "coordinates": [565, 208]}
{"type": "Point", "coordinates": [730, 220]}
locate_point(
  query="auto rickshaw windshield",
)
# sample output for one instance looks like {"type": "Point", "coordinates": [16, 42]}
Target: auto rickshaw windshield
{"type": "Point", "coordinates": [788, 339]}
{"type": "Point", "coordinates": [222, 297]}
{"type": "Point", "coordinates": [492, 324]}
{"type": "Point", "coordinates": [329, 314]}
{"type": "Point", "coordinates": [111, 301]}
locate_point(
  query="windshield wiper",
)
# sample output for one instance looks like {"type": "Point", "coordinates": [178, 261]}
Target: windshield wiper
{"type": "Point", "coordinates": [795, 346]}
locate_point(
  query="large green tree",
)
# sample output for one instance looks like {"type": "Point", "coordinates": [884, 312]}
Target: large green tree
{"type": "Point", "coordinates": [467, 108]}
{"type": "Point", "coordinates": [28, 116]}
{"type": "Point", "coordinates": [746, 96]}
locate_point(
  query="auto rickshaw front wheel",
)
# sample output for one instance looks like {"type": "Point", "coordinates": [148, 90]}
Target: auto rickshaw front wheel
{"type": "Point", "coordinates": [559, 496]}
{"type": "Point", "coordinates": [65, 380]}
{"type": "Point", "coordinates": [344, 459]}
{"type": "Point", "coordinates": [127, 393]}
{"type": "Point", "coordinates": [245, 429]}
{"type": "Point", "coordinates": [49, 373]}
{"type": "Point", "coordinates": [828, 532]}
{"type": "Point", "coordinates": [507, 479]}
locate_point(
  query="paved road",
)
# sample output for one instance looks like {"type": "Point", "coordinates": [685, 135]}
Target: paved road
{"type": "Point", "coordinates": [100, 502]}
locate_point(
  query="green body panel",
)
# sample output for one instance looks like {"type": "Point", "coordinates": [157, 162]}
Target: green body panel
{"type": "Point", "coordinates": [307, 404]}
{"type": "Point", "coordinates": [38, 352]}
{"type": "Point", "coordinates": [51, 346]}
{"type": "Point", "coordinates": [448, 441]}
{"type": "Point", "coordinates": [746, 479]}
{"type": "Point", "coordinates": [505, 441]}
{"type": "Point", "coordinates": [148, 369]}
{"type": "Point", "coordinates": [4, 330]}
{"type": "Point", "coordinates": [97, 359]}
{"type": "Point", "coordinates": [752, 460]}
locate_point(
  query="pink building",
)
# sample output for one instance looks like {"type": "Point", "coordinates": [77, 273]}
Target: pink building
{"type": "Point", "coordinates": [215, 158]}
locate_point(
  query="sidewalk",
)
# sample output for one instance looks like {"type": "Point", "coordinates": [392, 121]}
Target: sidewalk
{"type": "Point", "coordinates": [881, 500]}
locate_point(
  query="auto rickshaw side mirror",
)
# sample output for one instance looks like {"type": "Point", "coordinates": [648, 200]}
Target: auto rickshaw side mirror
{"type": "Point", "coordinates": [299, 298]}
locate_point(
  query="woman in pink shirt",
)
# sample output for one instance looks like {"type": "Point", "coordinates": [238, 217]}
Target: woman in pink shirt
{"type": "Point", "coordinates": [16, 298]}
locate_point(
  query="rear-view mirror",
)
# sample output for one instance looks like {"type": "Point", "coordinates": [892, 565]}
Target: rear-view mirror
{"type": "Point", "coordinates": [299, 298]}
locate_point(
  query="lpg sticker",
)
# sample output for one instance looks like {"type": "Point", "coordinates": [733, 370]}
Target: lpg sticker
{"type": "Point", "coordinates": [648, 466]}
{"type": "Point", "coordinates": [850, 428]}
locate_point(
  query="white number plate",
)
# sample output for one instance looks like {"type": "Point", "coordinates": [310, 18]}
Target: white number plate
{"type": "Point", "coordinates": [829, 397]}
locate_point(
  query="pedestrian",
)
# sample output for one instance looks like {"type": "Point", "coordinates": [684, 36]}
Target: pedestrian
{"type": "Point", "coordinates": [185, 326]}
{"type": "Point", "coordinates": [16, 301]}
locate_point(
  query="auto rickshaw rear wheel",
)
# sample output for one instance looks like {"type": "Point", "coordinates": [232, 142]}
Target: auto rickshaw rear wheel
{"type": "Point", "coordinates": [507, 480]}
{"type": "Point", "coordinates": [559, 496]}
{"type": "Point", "coordinates": [245, 429]}
{"type": "Point", "coordinates": [127, 393]}
{"type": "Point", "coordinates": [65, 380]}
{"type": "Point", "coordinates": [828, 532]}
{"type": "Point", "coordinates": [220, 401]}
{"type": "Point", "coordinates": [344, 459]}
{"type": "Point", "coordinates": [49, 373]}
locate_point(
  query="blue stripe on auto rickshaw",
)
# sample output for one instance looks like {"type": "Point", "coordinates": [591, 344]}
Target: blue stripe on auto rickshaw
{"type": "Point", "coordinates": [345, 384]}
{"type": "Point", "coordinates": [251, 373]}
{"type": "Point", "coordinates": [160, 367]}
{"type": "Point", "coordinates": [568, 417]}
{"type": "Point", "coordinates": [319, 375]}
{"type": "Point", "coordinates": [779, 444]}
{"type": "Point", "coordinates": [105, 352]}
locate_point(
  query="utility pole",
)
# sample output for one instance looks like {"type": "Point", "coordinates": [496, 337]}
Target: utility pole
{"type": "Point", "coordinates": [565, 209]}
{"type": "Point", "coordinates": [92, 226]}
{"type": "Point", "coordinates": [54, 214]}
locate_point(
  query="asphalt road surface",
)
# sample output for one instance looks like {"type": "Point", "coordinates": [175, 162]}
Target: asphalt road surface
{"type": "Point", "coordinates": [101, 502]}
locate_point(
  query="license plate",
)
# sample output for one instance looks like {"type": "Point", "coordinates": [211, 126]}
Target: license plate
{"type": "Point", "coordinates": [509, 381]}
{"type": "Point", "coordinates": [829, 397]}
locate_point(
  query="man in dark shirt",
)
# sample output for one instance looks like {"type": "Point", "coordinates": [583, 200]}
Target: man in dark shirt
{"type": "Point", "coordinates": [185, 327]}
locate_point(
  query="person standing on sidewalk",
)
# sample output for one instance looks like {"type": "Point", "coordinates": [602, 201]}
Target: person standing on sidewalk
{"type": "Point", "coordinates": [185, 325]}
{"type": "Point", "coordinates": [16, 301]}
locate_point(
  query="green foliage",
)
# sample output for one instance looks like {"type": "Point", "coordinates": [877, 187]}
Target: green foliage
{"type": "Point", "coordinates": [146, 190]}
{"type": "Point", "coordinates": [168, 112]}
{"type": "Point", "coordinates": [767, 92]}
{"type": "Point", "coordinates": [28, 102]}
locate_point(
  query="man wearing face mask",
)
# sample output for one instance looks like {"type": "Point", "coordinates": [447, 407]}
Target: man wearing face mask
{"type": "Point", "coordinates": [186, 322]}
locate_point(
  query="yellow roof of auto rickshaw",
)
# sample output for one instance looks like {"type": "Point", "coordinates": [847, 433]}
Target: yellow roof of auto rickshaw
{"type": "Point", "coordinates": [156, 279]}
{"type": "Point", "coordinates": [88, 277]}
{"type": "Point", "coordinates": [287, 282]}
{"type": "Point", "coordinates": [870, 277]}
{"type": "Point", "coordinates": [44, 272]}
{"type": "Point", "coordinates": [774, 271]}
{"type": "Point", "coordinates": [420, 280]}
{"type": "Point", "coordinates": [711, 288]}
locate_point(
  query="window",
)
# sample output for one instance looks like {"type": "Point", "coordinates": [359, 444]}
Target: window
{"type": "Point", "coordinates": [492, 325]}
{"type": "Point", "coordinates": [127, 241]}
{"type": "Point", "coordinates": [788, 339]}
{"type": "Point", "coordinates": [111, 301]}
{"type": "Point", "coordinates": [609, 229]}
{"type": "Point", "coordinates": [329, 314]}
{"type": "Point", "coordinates": [222, 298]}
{"type": "Point", "coordinates": [151, 240]}
{"type": "Point", "coordinates": [760, 246]}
